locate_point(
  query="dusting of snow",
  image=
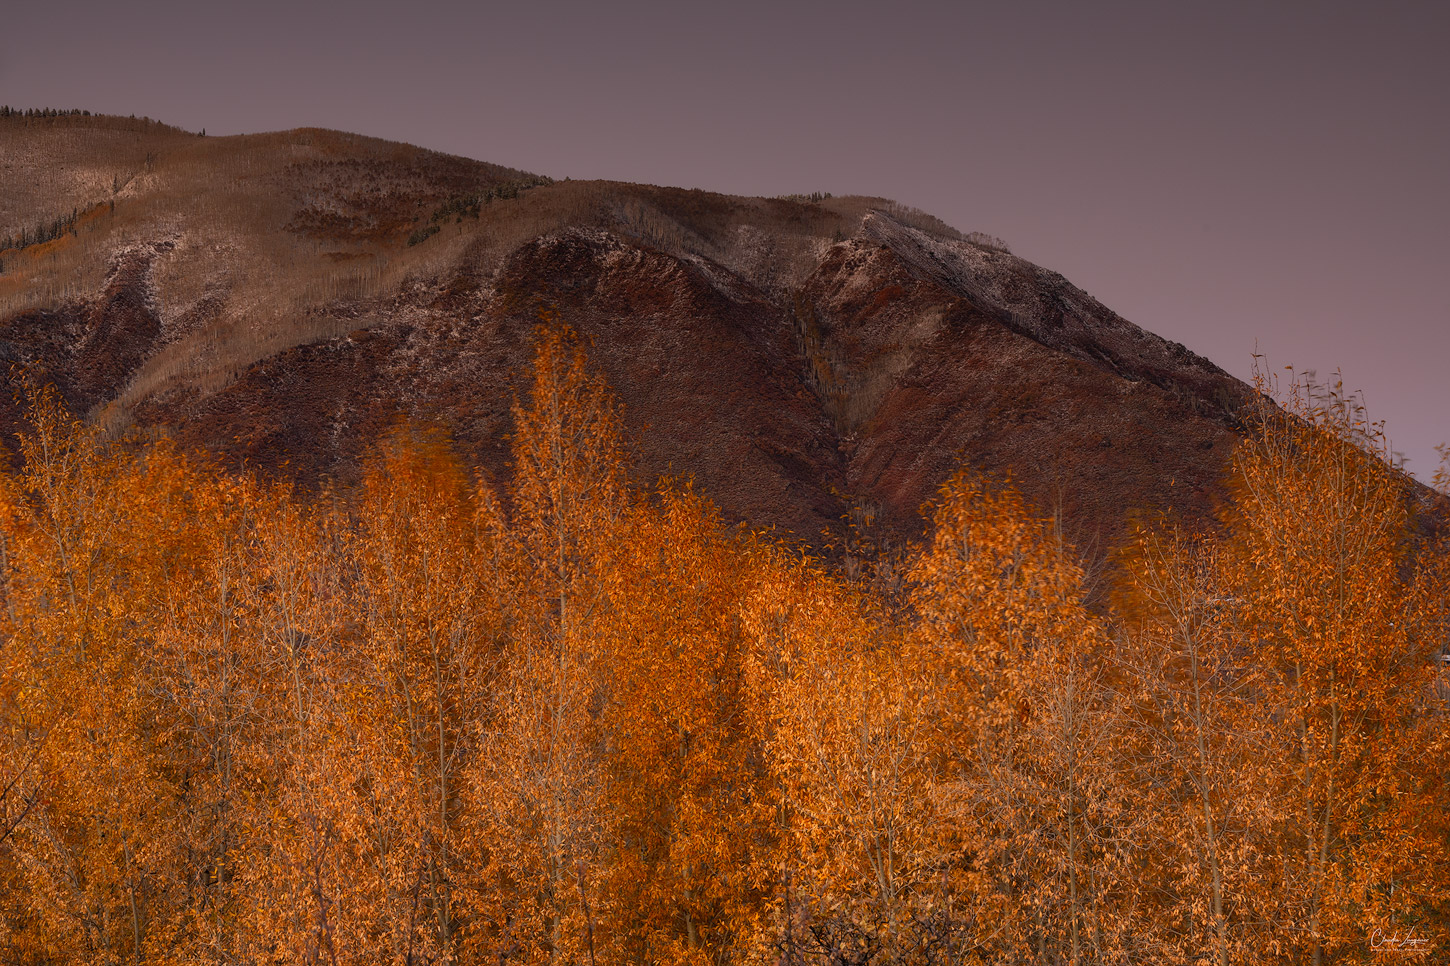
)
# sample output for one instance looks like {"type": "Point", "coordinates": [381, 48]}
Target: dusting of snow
{"type": "Point", "coordinates": [1034, 301]}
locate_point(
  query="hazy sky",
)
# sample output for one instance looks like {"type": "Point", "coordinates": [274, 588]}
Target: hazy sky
{"type": "Point", "coordinates": [1226, 174]}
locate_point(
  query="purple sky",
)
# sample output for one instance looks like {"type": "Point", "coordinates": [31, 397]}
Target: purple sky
{"type": "Point", "coordinates": [1226, 174]}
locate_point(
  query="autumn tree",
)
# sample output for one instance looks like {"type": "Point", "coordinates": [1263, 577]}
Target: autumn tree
{"type": "Point", "coordinates": [838, 718]}
{"type": "Point", "coordinates": [1343, 625]}
{"type": "Point", "coordinates": [685, 807]}
{"type": "Point", "coordinates": [1197, 751]}
{"type": "Point", "coordinates": [573, 720]}
{"type": "Point", "coordinates": [1024, 730]}
{"type": "Point", "coordinates": [540, 782]}
{"type": "Point", "coordinates": [104, 850]}
{"type": "Point", "coordinates": [305, 864]}
{"type": "Point", "coordinates": [420, 676]}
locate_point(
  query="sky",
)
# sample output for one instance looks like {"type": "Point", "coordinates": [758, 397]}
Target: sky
{"type": "Point", "coordinates": [1239, 177]}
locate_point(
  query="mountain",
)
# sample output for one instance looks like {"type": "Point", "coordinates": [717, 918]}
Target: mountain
{"type": "Point", "coordinates": [281, 299]}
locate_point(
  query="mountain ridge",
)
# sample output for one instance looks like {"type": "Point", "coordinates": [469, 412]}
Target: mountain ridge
{"type": "Point", "coordinates": [278, 299]}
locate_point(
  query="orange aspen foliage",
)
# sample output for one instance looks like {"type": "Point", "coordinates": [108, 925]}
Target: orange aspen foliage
{"type": "Point", "coordinates": [412, 721]}
{"type": "Point", "coordinates": [419, 682]}
{"type": "Point", "coordinates": [684, 776]}
{"type": "Point", "coordinates": [204, 665]}
{"type": "Point", "coordinates": [1024, 730]}
{"type": "Point", "coordinates": [851, 875]}
{"type": "Point", "coordinates": [93, 851]}
{"type": "Point", "coordinates": [303, 878]}
{"type": "Point", "coordinates": [539, 785]}
{"type": "Point", "coordinates": [1198, 756]}
{"type": "Point", "coordinates": [1344, 634]}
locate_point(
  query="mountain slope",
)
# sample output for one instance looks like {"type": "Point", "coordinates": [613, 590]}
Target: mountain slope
{"type": "Point", "coordinates": [280, 299]}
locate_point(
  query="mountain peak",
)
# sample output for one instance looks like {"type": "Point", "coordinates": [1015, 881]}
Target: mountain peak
{"type": "Point", "coordinates": [279, 299]}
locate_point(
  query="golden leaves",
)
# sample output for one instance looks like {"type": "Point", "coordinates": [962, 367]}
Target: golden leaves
{"type": "Point", "coordinates": [421, 721]}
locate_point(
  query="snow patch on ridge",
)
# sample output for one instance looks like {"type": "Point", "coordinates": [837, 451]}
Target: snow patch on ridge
{"type": "Point", "coordinates": [1039, 304]}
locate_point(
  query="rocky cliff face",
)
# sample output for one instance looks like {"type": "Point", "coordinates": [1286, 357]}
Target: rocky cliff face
{"type": "Point", "coordinates": [804, 362]}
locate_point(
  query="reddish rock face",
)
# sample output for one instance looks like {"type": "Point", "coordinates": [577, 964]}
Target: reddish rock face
{"type": "Point", "coordinates": [85, 349]}
{"type": "Point", "coordinates": [802, 362]}
{"type": "Point", "coordinates": [982, 359]}
{"type": "Point", "coordinates": [864, 388]}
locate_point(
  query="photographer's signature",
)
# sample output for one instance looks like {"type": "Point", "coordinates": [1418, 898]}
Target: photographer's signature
{"type": "Point", "coordinates": [1381, 942]}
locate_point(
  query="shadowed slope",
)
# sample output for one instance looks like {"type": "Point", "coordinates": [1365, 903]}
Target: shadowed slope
{"type": "Point", "coordinates": [281, 298]}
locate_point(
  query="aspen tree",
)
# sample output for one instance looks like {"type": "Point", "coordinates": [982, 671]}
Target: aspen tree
{"type": "Point", "coordinates": [1024, 729]}
{"type": "Point", "coordinates": [540, 784]}
{"type": "Point", "coordinates": [104, 548]}
{"type": "Point", "coordinates": [1343, 638]}
{"type": "Point", "coordinates": [684, 774]}
{"type": "Point", "coordinates": [305, 878]}
{"type": "Point", "coordinates": [839, 721]}
{"type": "Point", "coordinates": [1198, 756]}
{"type": "Point", "coordinates": [421, 680]}
{"type": "Point", "coordinates": [204, 667]}
{"type": "Point", "coordinates": [74, 602]}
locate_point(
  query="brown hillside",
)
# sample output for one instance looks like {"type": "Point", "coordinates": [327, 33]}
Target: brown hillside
{"type": "Point", "coordinates": [280, 298]}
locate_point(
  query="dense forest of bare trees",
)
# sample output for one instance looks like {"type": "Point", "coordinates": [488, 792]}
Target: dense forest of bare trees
{"type": "Point", "coordinates": [569, 720]}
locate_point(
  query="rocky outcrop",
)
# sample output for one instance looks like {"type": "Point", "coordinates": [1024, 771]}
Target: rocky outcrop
{"type": "Point", "coordinates": [803, 361]}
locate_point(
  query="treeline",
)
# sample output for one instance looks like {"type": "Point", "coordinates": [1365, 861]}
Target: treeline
{"type": "Point", "coordinates": [44, 231]}
{"type": "Point", "coordinates": [39, 113]}
{"type": "Point", "coordinates": [983, 240]}
{"type": "Point", "coordinates": [7, 111]}
{"type": "Point", "coordinates": [471, 206]}
{"type": "Point", "coordinates": [427, 720]}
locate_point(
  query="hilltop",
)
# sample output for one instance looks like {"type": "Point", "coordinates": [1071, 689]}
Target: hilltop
{"type": "Point", "coordinates": [280, 299]}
